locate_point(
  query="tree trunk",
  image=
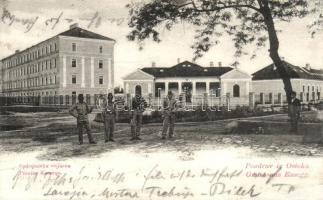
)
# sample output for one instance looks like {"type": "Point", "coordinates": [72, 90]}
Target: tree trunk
{"type": "Point", "coordinates": [274, 46]}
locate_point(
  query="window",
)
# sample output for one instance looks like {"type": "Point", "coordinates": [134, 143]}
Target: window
{"type": "Point", "coordinates": [101, 49]}
{"type": "Point", "coordinates": [73, 62]}
{"type": "Point", "coordinates": [73, 79]}
{"type": "Point", "coordinates": [100, 64]}
{"type": "Point", "coordinates": [101, 80]}
{"type": "Point", "coordinates": [236, 91]}
{"type": "Point", "coordinates": [55, 63]}
{"type": "Point", "coordinates": [73, 47]}
{"type": "Point", "coordinates": [55, 46]}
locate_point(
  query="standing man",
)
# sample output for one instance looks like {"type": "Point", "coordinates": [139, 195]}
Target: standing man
{"type": "Point", "coordinates": [294, 112]}
{"type": "Point", "coordinates": [80, 111]}
{"type": "Point", "coordinates": [169, 106]}
{"type": "Point", "coordinates": [138, 106]}
{"type": "Point", "coordinates": [109, 117]}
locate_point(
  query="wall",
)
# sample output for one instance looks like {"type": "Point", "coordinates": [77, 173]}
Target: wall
{"type": "Point", "coordinates": [87, 71]}
{"type": "Point", "coordinates": [277, 86]}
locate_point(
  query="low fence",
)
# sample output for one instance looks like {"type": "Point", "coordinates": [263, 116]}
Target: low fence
{"type": "Point", "coordinates": [154, 103]}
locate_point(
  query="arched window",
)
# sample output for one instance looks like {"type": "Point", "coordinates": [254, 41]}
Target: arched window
{"type": "Point", "coordinates": [236, 91]}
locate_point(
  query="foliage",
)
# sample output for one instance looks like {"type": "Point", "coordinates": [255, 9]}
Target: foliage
{"type": "Point", "coordinates": [246, 21]}
{"type": "Point", "coordinates": [243, 20]}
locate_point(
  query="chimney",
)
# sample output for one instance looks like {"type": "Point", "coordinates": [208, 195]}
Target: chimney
{"type": "Point", "coordinates": [211, 64]}
{"type": "Point", "coordinates": [153, 64]}
{"type": "Point", "coordinates": [283, 58]}
{"type": "Point", "coordinates": [74, 25]}
{"type": "Point", "coordinates": [220, 64]}
{"type": "Point", "coordinates": [178, 60]}
{"type": "Point", "coordinates": [308, 66]}
{"type": "Point", "coordinates": [17, 51]}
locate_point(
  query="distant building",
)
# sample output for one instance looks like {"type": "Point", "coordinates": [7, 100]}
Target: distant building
{"type": "Point", "coordinates": [268, 86]}
{"type": "Point", "coordinates": [190, 79]}
{"type": "Point", "coordinates": [72, 62]}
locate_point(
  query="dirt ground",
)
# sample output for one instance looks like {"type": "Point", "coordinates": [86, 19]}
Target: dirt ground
{"type": "Point", "coordinates": [52, 138]}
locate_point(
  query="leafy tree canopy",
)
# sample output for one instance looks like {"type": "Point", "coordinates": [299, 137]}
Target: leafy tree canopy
{"type": "Point", "coordinates": [246, 21]}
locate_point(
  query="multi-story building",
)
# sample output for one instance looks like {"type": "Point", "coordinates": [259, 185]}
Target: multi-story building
{"type": "Point", "coordinates": [72, 62]}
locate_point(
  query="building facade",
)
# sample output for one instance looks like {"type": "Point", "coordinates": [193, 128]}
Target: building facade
{"type": "Point", "coordinates": [190, 80]}
{"type": "Point", "coordinates": [268, 86]}
{"type": "Point", "coordinates": [73, 62]}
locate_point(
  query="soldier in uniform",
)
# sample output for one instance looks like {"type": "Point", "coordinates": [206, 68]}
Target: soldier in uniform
{"type": "Point", "coordinates": [169, 106]}
{"type": "Point", "coordinates": [138, 106]}
{"type": "Point", "coordinates": [294, 112]}
{"type": "Point", "coordinates": [80, 111]}
{"type": "Point", "coordinates": [109, 117]}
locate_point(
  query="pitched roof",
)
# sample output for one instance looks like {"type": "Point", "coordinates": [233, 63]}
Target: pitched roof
{"type": "Point", "coordinates": [296, 72]}
{"type": "Point", "coordinates": [73, 32]}
{"type": "Point", "coordinates": [82, 33]}
{"type": "Point", "coordinates": [186, 69]}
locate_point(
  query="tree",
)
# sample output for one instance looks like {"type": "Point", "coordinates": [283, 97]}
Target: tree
{"type": "Point", "coordinates": [246, 21]}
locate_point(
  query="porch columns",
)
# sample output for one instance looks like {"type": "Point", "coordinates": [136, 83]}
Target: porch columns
{"type": "Point", "coordinates": [193, 88]}
{"type": "Point", "coordinates": [179, 87]}
{"type": "Point", "coordinates": [207, 87]}
{"type": "Point", "coordinates": [166, 88]}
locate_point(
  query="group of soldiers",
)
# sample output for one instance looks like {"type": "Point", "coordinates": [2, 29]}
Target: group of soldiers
{"type": "Point", "coordinates": [81, 110]}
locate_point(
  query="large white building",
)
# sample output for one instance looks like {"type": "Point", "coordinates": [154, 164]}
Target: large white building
{"type": "Point", "coordinates": [190, 79]}
{"type": "Point", "coordinates": [231, 85]}
{"type": "Point", "coordinates": [72, 62]}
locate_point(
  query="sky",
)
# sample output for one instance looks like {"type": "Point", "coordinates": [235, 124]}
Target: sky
{"type": "Point", "coordinates": [110, 19]}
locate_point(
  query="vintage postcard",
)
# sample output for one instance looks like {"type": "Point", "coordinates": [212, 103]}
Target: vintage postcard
{"type": "Point", "coordinates": [161, 99]}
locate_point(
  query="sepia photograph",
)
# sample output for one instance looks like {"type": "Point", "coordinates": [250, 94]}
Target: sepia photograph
{"type": "Point", "coordinates": [161, 99]}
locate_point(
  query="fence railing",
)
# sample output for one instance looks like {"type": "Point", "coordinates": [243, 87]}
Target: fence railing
{"type": "Point", "coordinates": [154, 103]}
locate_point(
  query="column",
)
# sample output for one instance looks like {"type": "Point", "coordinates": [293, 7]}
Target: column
{"type": "Point", "coordinates": [262, 98]}
{"type": "Point", "coordinates": [82, 73]}
{"type": "Point", "coordinates": [166, 88]}
{"type": "Point", "coordinates": [247, 88]}
{"type": "Point", "coordinates": [251, 100]}
{"type": "Point", "coordinates": [149, 88]}
{"type": "Point", "coordinates": [223, 88]}
{"type": "Point", "coordinates": [92, 72]}
{"type": "Point", "coordinates": [194, 88]}
{"type": "Point", "coordinates": [280, 98]}
{"type": "Point", "coordinates": [64, 71]}
{"type": "Point", "coordinates": [272, 98]}
{"type": "Point", "coordinates": [207, 88]}
{"type": "Point", "coordinates": [126, 88]}
{"type": "Point", "coordinates": [179, 87]}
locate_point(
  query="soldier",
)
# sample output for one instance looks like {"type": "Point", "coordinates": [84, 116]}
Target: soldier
{"type": "Point", "coordinates": [138, 106]}
{"type": "Point", "coordinates": [294, 112]}
{"type": "Point", "coordinates": [109, 117]}
{"type": "Point", "coordinates": [169, 106]}
{"type": "Point", "coordinates": [81, 114]}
